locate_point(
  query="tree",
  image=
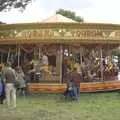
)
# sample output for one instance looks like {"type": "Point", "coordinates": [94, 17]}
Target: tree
{"type": "Point", "coordinates": [69, 14]}
{"type": "Point", "coordinates": [8, 4]}
{"type": "Point", "coordinates": [1, 22]}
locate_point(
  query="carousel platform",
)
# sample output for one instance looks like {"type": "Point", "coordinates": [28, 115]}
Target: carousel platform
{"type": "Point", "coordinates": [84, 87]}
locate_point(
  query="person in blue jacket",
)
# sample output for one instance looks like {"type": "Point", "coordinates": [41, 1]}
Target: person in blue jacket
{"type": "Point", "coordinates": [2, 91]}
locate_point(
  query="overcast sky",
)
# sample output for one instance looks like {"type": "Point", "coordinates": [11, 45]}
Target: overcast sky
{"type": "Point", "coordinates": [105, 11]}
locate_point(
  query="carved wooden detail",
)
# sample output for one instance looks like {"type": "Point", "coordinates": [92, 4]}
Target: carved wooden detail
{"type": "Point", "coordinates": [60, 33]}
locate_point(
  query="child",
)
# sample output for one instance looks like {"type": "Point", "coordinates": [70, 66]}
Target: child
{"type": "Point", "coordinates": [69, 93]}
{"type": "Point", "coordinates": [2, 92]}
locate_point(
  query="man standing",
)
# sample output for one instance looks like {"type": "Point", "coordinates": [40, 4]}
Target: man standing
{"type": "Point", "coordinates": [9, 77]}
{"type": "Point", "coordinates": [76, 79]}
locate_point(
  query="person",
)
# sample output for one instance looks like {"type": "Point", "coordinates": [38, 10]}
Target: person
{"type": "Point", "coordinates": [20, 77]}
{"type": "Point", "coordinates": [69, 92]}
{"type": "Point", "coordinates": [76, 78]}
{"type": "Point", "coordinates": [35, 70]}
{"type": "Point", "coordinates": [45, 59]}
{"type": "Point", "coordinates": [9, 76]}
{"type": "Point", "coordinates": [2, 91]}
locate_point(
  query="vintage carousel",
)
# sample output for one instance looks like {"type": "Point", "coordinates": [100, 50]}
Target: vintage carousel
{"type": "Point", "coordinates": [47, 51]}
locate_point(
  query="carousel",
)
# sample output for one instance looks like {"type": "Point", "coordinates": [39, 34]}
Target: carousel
{"type": "Point", "coordinates": [49, 50]}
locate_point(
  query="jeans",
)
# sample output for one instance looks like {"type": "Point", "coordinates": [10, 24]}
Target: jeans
{"type": "Point", "coordinates": [76, 92]}
{"type": "Point", "coordinates": [2, 97]}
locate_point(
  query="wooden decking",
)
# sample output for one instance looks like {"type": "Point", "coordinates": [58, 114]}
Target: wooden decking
{"type": "Point", "coordinates": [84, 87]}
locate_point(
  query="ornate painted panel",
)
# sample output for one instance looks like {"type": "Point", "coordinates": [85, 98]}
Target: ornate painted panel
{"type": "Point", "coordinates": [61, 34]}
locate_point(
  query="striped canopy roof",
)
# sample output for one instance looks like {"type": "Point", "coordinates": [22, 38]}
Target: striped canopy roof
{"type": "Point", "coordinates": [57, 18]}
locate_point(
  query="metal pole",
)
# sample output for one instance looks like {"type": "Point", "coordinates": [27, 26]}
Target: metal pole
{"type": "Point", "coordinates": [101, 63]}
{"type": "Point", "coordinates": [81, 54]}
{"type": "Point", "coordinates": [8, 55]}
{"type": "Point", "coordinates": [19, 55]}
{"type": "Point", "coordinates": [39, 52]}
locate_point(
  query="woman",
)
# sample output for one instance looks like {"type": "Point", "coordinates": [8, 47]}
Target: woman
{"type": "Point", "coordinates": [20, 77]}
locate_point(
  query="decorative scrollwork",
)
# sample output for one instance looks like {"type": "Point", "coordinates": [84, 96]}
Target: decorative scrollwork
{"type": "Point", "coordinates": [72, 33]}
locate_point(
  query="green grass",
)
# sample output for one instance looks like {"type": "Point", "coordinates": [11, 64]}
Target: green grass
{"type": "Point", "coordinates": [92, 106]}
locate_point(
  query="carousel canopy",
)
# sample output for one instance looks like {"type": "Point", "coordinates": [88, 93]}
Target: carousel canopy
{"type": "Point", "coordinates": [57, 18]}
{"type": "Point", "coordinates": [59, 29]}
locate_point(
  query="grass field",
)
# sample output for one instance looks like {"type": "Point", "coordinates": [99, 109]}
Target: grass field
{"type": "Point", "coordinates": [92, 106]}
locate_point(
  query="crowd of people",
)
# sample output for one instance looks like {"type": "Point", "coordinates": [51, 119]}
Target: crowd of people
{"type": "Point", "coordinates": [11, 81]}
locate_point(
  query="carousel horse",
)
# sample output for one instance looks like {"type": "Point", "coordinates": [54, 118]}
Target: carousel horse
{"type": "Point", "coordinates": [109, 71]}
{"type": "Point", "coordinates": [86, 73]}
{"type": "Point", "coordinates": [96, 72]}
{"type": "Point", "coordinates": [114, 72]}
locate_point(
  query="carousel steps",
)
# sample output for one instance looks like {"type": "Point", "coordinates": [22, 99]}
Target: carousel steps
{"type": "Point", "coordinates": [84, 87]}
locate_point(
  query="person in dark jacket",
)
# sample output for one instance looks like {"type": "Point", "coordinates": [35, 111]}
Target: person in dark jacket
{"type": "Point", "coordinates": [76, 79]}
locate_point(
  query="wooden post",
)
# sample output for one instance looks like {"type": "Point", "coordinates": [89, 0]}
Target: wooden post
{"type": "Point", "coordinates": [19, 55]}
{"type": "Point", "coordinates": [101, 63]}
{"type": "Point", "coordinates": [61, 60]}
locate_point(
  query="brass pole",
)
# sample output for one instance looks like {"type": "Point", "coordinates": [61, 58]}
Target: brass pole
{"type": "Point", "coordinates": [61, 59]}
{"type": "Point", "coordinates": [8, 55]}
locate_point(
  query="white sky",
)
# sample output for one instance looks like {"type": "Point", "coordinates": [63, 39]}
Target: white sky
{"type": "Point", "coordinates": [106, 11]}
